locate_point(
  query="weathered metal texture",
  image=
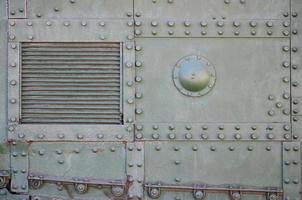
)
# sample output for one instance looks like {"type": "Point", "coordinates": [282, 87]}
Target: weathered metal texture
{"type": "Point", "coordinates": [209, 100]}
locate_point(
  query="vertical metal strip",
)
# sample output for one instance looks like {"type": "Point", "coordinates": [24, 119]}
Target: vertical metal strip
{"type": "Point", "coordinates": [19, 166]}
{"type": "Point", "coordinates": [291, 170]}
{"type": "Point", "coordinates": [135, 169]}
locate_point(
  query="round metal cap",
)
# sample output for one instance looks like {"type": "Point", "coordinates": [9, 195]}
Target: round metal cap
{"type": "Point", "coordinates": [194, 76]}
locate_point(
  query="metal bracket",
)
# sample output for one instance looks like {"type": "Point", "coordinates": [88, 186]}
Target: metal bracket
{"type": "Point", "coordinates": [235, 193]}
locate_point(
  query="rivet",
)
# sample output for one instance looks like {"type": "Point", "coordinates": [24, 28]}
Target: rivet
{"type": "Point", "coordinates": [286, 136]}
{"type": "Point", "coordinates": [279, 105]}
{"type": "Point", "coordinates": [13, 101]}
{"type": "Point", "coordinates": [176, 148]}
{"type": "Point", "coordinates": [204, 136]}
{"type": "Point", "coordinates": [13, 82]}
{"type": "Point", "coordinates": [269, 24]}
{"type": "Point", "coordinates": [130, 101]}
{"type": "Point", "coordinates": [170, 23]}
{"type": "Point", "coordinates": [119, 136]}
{"type": "Point", "coordinates": [48, 23]}
{"type": "Point", "coordinates": [286, 64]}
{"type": "Point", "coordinates": [236, 23]}
{"type": "Point", "coordinates": [139, 136]}
{"type": "Point", "coordinates": [286, 24]}
{"type": "Point", "coordinates": [188, 136]}
{"type": "Point", "coordinates": [250, 148]}
{"type": "Point", "coordinates": [66, 23]}
{"type": "Point", "coordinates": [271, 112]}
{"type": "Point", "coordinates": [56, 9]}
{"type": "Point", "coordinates": [154, 23]}
{"type": "Point", "coordinates": [268, 148]}
{"type": "Point", "coordinates": [83, 23]}
{"type": "Point", "coordinates": [177, 179]}
{"type": "Point", "coordinates": [112, 149]}
{"type": "Point", "coordinates": [13, 46]}
{"type": "Point", "coordinates": [253, 23]}
{"type": "Point", "coordinates": [231, 148]}
{"type": "Point", "coordinates": [237, 136]}
{"type": "Point", "coordinates": [80, 136]}
{"type": "Point", "coordinates": [187, 23]}
{"type": "Point", "coordinates": [194, 148]}
{"type": "Point", "coordinates": [296, 148]}
{"type": "Point", "coordinates": [253, 32]}
{"type": "Point", "coordinates": [296, 181]}
{"type": "Point", "coordinates": [12, 23]}
{"type": "Point", "coordinates": [172, 136]}
{"type": "Point", "coordinates": [213, 148]}
{"type": "Point", "coordinates": [254, 136]}
{"type": "Point", "coordinates": [220, 23]}
{"type": "Point", "coordinates": [269, 32]}
{"type": "Point", "coordinates": [138, 111]}
{"type": "Point", "coordinates": [204, 127]}
{"type": "Point", "coordinates": [138, 14]}
{"type": "Point", "coordinates": [285, 32]}
{"type": "Point", "coordinates": [177, 162]}
{"type": "Point", "coordinates": [155, 135]}
{"type": "Point", "coordinates": [286, 111]}
{"type": "Point", "coordinates": [157, 148]}
{"type": "Point", "coordinates": [102, 23]}
{"type": "Point", "coordinates": [203, 23]}
{"type": "Point", "coordinates": [61, 161]}
{"type": "Point", "coordinates": [286, 95]}
{"type": "Point", "coordinates": [286, 180]}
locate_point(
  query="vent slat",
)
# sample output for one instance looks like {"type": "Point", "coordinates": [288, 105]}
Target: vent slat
{"type": "Point", "coordinates": [67, 83]}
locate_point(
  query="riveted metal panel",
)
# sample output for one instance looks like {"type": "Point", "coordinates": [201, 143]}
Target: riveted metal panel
{"type": "Point", "coordinates": [80, 9]}
{"type": "Point", "coordinates": [255, 69]}
{"type": "Point", "coordinates": [213, 165]}
{"type": "Point", "coordinates": [95, 165]}
{"type": "Point", "coordinates": [210, 101]}
{"type": "Point", "coordinates": [199, 9]}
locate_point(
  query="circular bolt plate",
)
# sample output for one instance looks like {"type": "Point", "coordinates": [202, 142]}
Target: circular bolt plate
{"type": "Point", "coordinates": [194, 76]}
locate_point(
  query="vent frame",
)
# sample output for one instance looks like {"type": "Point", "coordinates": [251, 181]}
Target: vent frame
{"type": "Point", "coordinates": [71, 132]}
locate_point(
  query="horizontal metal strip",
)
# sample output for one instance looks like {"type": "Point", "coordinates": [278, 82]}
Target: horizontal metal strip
{"type": "Point", "coordinates": [69, 99]}
{"type": "Point", "coordinates": [98, 77]}
{"type": "Point", "coordinates": [70, 89]}
{"type": "Point", "coordinates": [71, 51]}
{"type": "Point", "coordinates": [72, 63]}
{"type": "Point", "coordinates": [29, 54]}
{"type": "Point", "coordinates": [69, 121]}
{"type": "Point", "coordinates": [97, 72]}
{"type": "Point", "coordinates": [70, 44]}
{"type": "Point", "coordinates": [65, 94]}
{"type": "Point", "coordinates": [105, 107]}
{"type": "Point", "coordinates": [71, 103]}
{"type": "Point", "coordinates": [72, 180]}
{"type": "Point", "coordinates": [75, 84]}
{"type": "Point", "coordinates": [68, 59]}
{"type": "Point", "coordinates": [61, 116]}
{"type": "Point", "coordinates": [66, 112]}
{"type": "Point", "coordinates": [97, 81]}
{"type": "Point", "coordinates": [71, 67]}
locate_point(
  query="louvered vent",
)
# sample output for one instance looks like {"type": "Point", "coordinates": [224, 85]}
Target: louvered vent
{"type": "Point", "coordinates": [68, 83]}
